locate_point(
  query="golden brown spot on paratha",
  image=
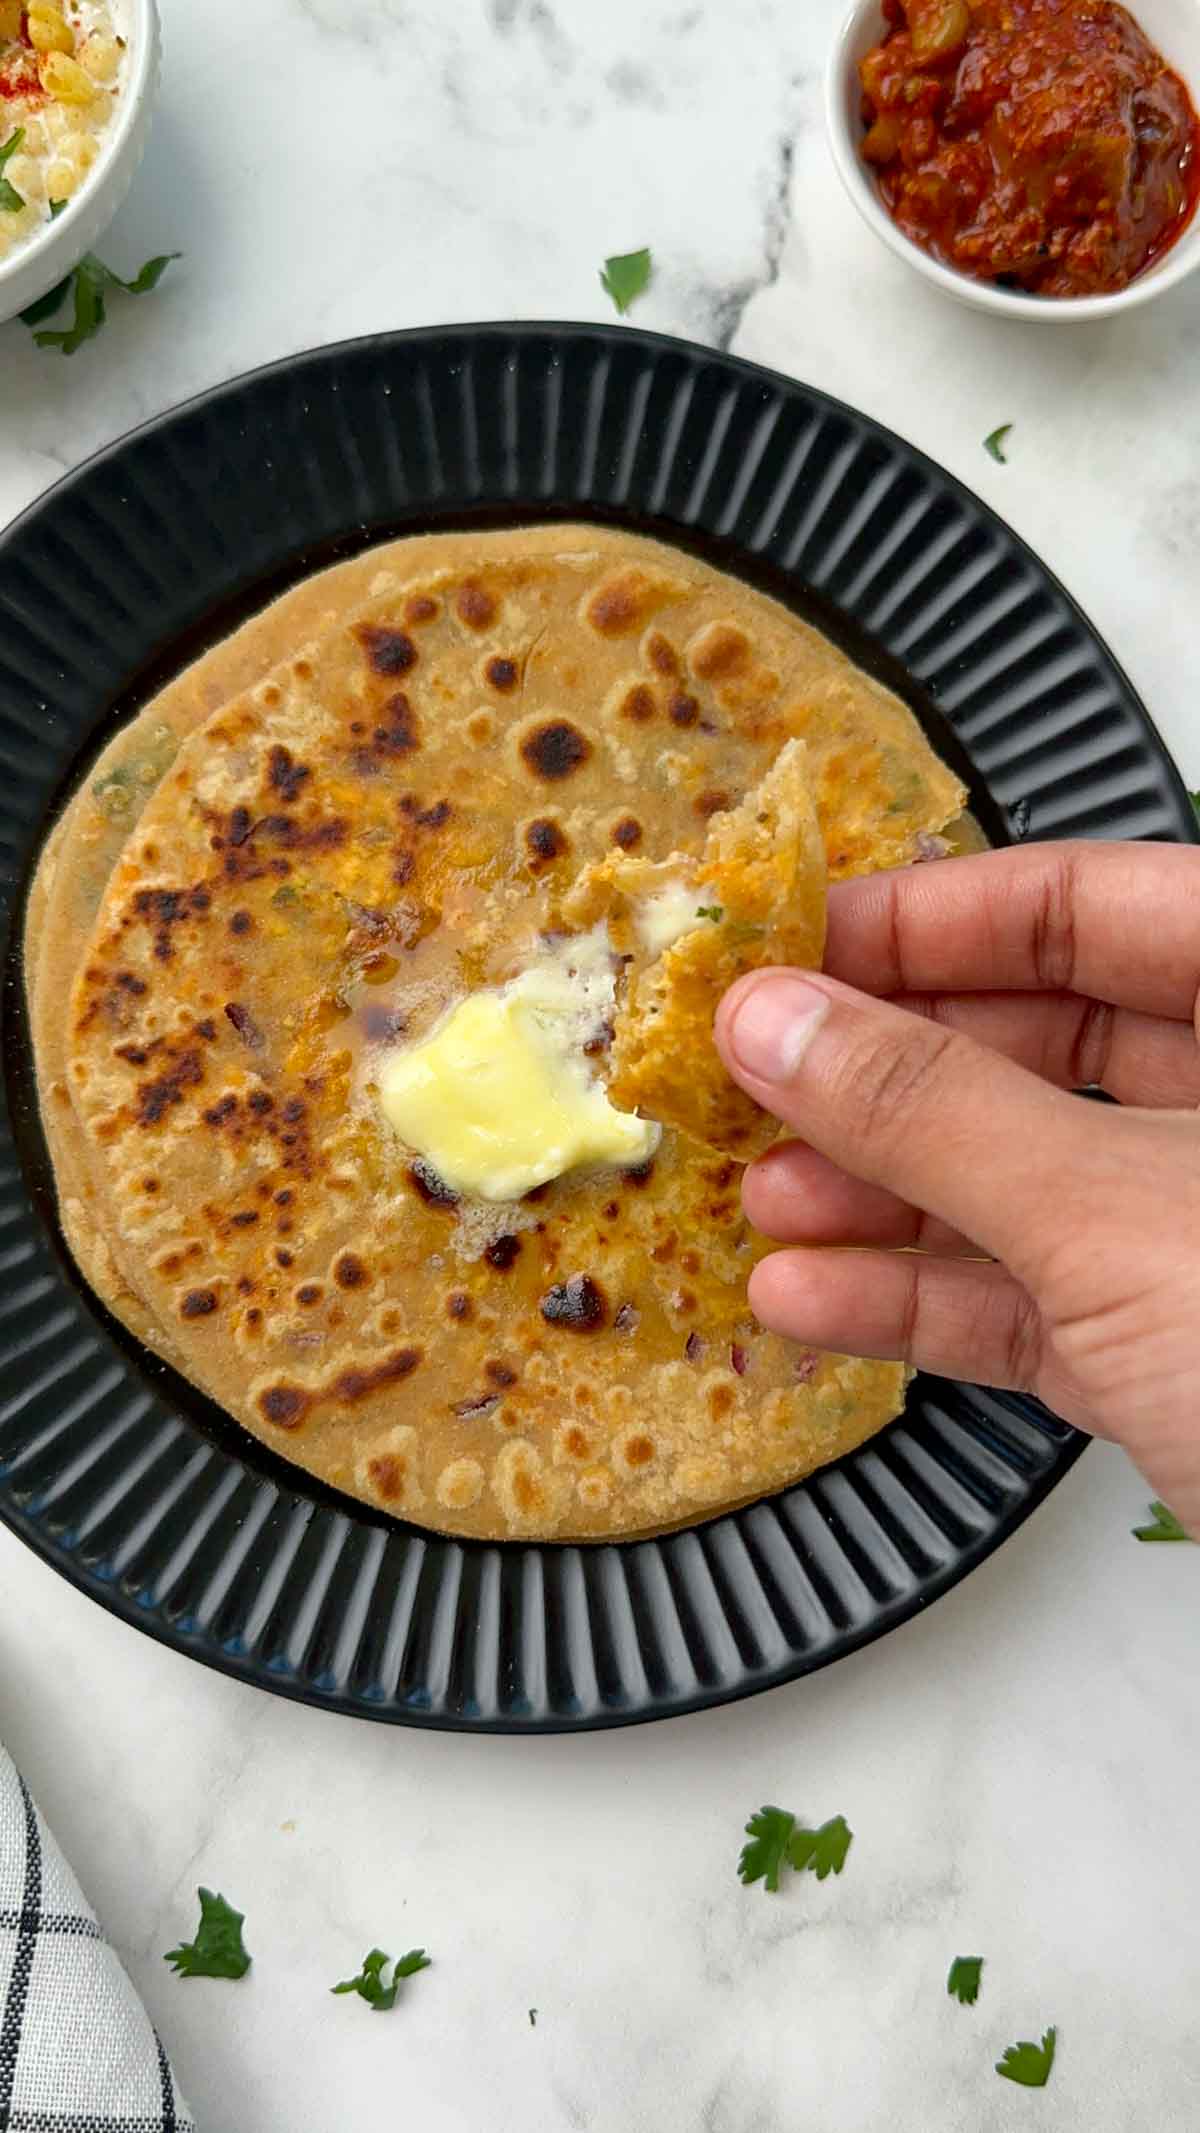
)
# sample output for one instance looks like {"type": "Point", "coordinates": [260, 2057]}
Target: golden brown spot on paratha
{"type": "Point", "coordinates": [659, 653]}
{"type": "Point", "coordinates": [719, 650]}
{"type": "Point", "coordinates": [155, 1098]}
{"type": "Point", "coordinates": [302, 669]}
{"type": "Point", "coordinates": [284, 1405]}
{"type": "Point", "coordinates": [241, 922]}
{"type": "Point", "coordinates": [619, 603]}
{"type": "Point", "coordinates": [595, 1489]}
{"type": "Point", "coordinates": [575, 1441]}
{"type": "Point", "coordinates": [502, 1252]}
{"type": "Point", "coordinates": [353, 1385]}
{"type": "Point", "coordinates": [349, 1271]}
{"type": "Point", "coordinates": [636, 1449]}
{"type": "Point", "coordinates": [627, 832]}
{"type": "Point", "coordinates": [720, 1401]}
{"type": "Point", "coordinates": [517, 1480]}
{"type": "Point", "coordinates": [389, 651]}
{"type": "Point", "coordinates": [481, 727]}
{"type": "Point", "coordinates": [164, 908]}
{"type": "Point", "coordinates": [398, 733]}
{"type": "Point", "coordinates": [460, 1484]}
{"type": "Point", "coordinates": [638, 704]}
{"type": "Point", "coordinates": [500, 1373]}
{"type": "Point", "coordinates": [474, 606]}
{"type": "Point", "coordinates": [459, 1306]}
{"type": "Point", "coordinates": [389, 1475]}
{"type": "Point", "coordinates": [683, 710]}
{"type": "Point", "coordinates": [712, 802]}
{"type": "Point", "coordinates": [198, 1303]}
{"type": "Point", "coordinates": [503, 674]}
{"type": "Point", "coordinates": [545, 841]}
{"type": "Point", "coordinates": [285, 776]}
{"type": "Point", "coordinates": [422, 608]}
{"type": "Point", "coordinates": [309, 1293]}
{"type": "Point", "coordinates": [554, 750]}
{"type": "Point", "coordinates": [579, 1305]}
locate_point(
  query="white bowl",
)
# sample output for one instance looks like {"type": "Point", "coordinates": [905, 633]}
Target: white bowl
{"type": "Point", "coordinates": [1172, 25]}
{"type": "Point", "coordinates": [33, 268]}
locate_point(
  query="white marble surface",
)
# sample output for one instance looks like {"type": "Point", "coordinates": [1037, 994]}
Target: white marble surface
{"type": "Point", "coordinates": [1020, 1765]}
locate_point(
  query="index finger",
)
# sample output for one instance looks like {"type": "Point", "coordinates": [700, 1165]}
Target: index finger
{"type": "Point", "coordinates": [1115, 922]}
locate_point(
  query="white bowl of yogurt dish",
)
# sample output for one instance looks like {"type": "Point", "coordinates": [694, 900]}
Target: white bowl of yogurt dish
{"type": "Point", "coordinates": [77, 83]}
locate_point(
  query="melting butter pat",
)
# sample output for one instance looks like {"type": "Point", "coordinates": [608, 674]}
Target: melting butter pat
{"type": "Point", "coordinates": [500, 1097]}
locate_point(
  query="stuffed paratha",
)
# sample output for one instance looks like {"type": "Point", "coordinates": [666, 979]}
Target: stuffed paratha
{"type": "Point", "coordinates": [397, 818]}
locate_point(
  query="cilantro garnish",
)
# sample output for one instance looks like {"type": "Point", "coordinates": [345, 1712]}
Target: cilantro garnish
{"type": "Point", "coordinates": [995, 443]}
{"type": "Point", "coordinates": [963, 1981]}
{"type": "Point", "coordinates": [775, 1842]}
{"type": "Point", "coordinates": [714, 911]}
{"type": "Point", "coordinates": [369, 1984]}
{"type": "Point", "coordinates": [218, 1949]}
{"type": "Point", "coordinates": [1029, 2064]}
{"type": "Point", "coordinates": [10, 198]}
{"type": "Point", "coordinates": [1166, 1526]}
{"type": "Point", "coordinates": [625, 276]}
{"type": "Point", "coordinates": [87, 284]}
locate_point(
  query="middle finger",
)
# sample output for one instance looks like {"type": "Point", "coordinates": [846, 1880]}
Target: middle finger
{"type": "Point", "coordinates": [795, 1195]}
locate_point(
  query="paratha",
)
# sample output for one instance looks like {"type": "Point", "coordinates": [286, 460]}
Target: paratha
{"type": "Point", "coordinates": [448, 740]}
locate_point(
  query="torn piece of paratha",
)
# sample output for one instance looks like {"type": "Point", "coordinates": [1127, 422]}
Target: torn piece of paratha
{"type": "Point", "coordinates": [690, 924]}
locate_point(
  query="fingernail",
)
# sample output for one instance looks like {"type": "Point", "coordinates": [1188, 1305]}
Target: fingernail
{"type": "Point", "coordinates": [772, 1027]}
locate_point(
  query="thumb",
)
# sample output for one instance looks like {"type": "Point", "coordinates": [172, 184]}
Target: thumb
{"type": "Point", "coordinates": [902, 1102]}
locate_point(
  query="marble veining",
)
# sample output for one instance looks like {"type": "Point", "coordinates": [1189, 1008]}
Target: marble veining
{"type": "Point", "coordinates": [1018, 1764]}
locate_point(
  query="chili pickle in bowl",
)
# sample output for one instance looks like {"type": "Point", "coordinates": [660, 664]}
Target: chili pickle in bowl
{"type": "Point", "coordinates": [1036, 158]}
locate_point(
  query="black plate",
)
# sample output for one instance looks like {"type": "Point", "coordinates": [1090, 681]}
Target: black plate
{"type": "Point", "coordinates": [126, 1478]}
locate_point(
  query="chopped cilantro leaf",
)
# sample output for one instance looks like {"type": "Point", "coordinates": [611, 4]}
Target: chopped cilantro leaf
{"type": "Point", "coordinates": [995, 443]}
{"type": "Point", "coordinates": [775, 1842]}
{"type": "Point", "coordinates": [1166, 1526]}
{"type": "Point", "coordinates": [822, 1850]}
{"type": "Point", "coordinates": [88, 284]}
{"type": "Point", "coordinates": [770, 1832]}
{"type": "Point", "coordinates": [714, 911]}
{"type": "Point", "coordinates": [963, 1981]}
{"type": "Point", "coordinates": [1029, 2064]}
{"type": "Point", "coordinates": [625, 277]}
{"type": "Point", "coordinates": [218, 1949]}
{"type": "Point", "coordinates": [369, 1984]}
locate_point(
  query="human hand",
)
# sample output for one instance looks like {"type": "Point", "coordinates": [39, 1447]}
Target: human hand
{"type": "Point", "coordinates": [1002, 1230]}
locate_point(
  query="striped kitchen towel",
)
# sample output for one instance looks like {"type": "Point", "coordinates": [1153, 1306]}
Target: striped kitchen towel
{"type": "Point", "coordinates": [78, 2053]}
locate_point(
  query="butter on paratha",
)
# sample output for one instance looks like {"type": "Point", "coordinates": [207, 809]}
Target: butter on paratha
{"type": "Point", "coordinates": [392, 819]}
